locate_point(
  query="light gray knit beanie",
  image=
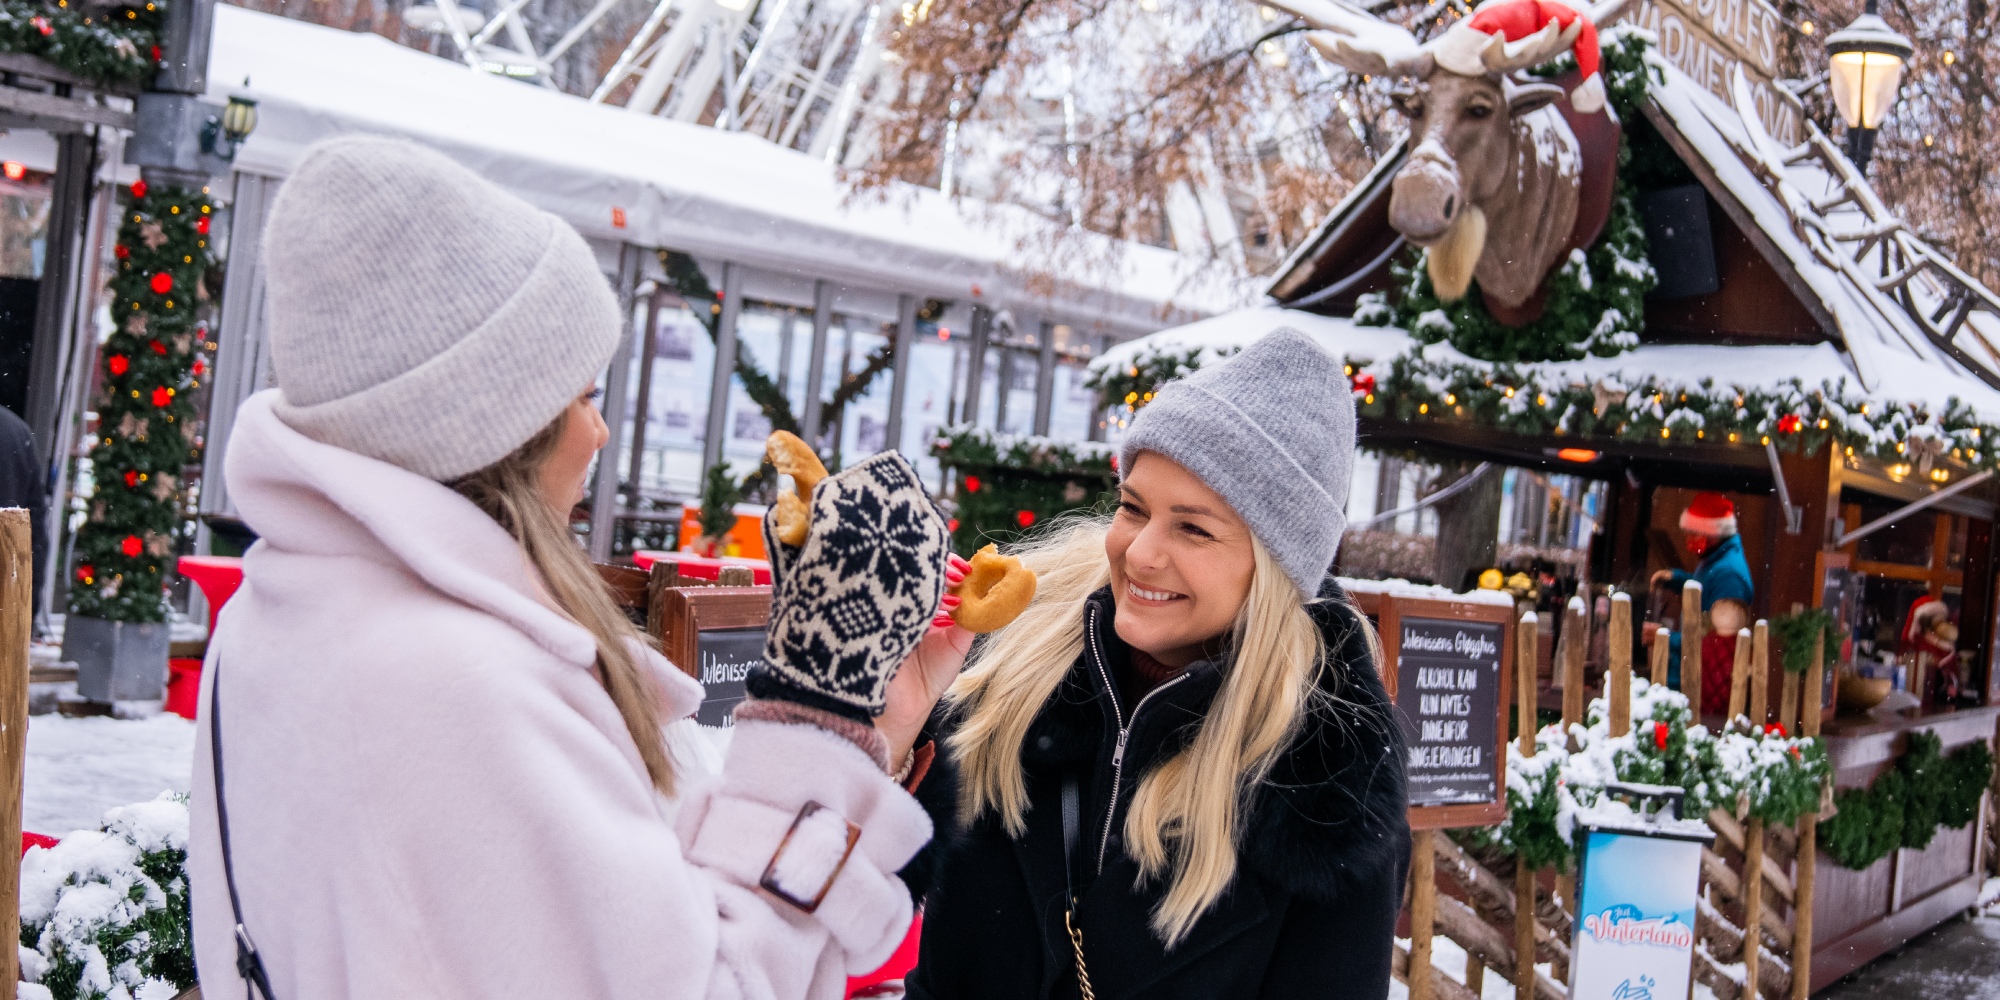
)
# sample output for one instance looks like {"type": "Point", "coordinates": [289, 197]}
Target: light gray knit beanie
{"type": "Point", "coordinates": [421, 315]}
{"type": "Point", "coordinates": [1272, 431]}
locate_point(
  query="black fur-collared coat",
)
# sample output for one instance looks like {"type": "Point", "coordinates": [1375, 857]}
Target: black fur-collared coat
{"type": "Point", "coordinates": [1320, 866]}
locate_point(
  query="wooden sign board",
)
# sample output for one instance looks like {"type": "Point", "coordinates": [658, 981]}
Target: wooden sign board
{"type": "Point", "coordinates": [1449, 668]}
{"type": "Point", "coordinates": [716, 634]}
{"type": "Point", "coordinates": [1708, 39]}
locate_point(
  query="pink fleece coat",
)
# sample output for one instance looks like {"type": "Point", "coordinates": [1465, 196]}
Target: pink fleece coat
{"type": "Point", "coordinates": [431, 795]}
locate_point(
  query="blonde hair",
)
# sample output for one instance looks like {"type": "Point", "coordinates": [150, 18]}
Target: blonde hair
{"type": "Point", "coordinates": [509, 491]}
{"type": "Point", "coordinates": [1187, 814]}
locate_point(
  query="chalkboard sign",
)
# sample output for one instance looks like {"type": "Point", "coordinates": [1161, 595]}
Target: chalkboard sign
{"type": "Point", "coordinates": [1450, 671]}
{"type": "Point", "coordinates": [716, 634]}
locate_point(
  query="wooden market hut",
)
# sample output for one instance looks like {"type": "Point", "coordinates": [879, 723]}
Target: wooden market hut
{"type": "Point", "coordinates": [1778, 263]}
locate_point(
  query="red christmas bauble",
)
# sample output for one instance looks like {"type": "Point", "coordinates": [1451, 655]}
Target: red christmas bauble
{"type": "Point", "coordinates": [163, 283]}
{"type": "Point", "coordinates": [162, 396]}
{"type": "Point", "coordinates": [117, 364]}
{"type": "Point", "coordinates": [131, 479]}
{"type": "Point", "coordinates": [121, 251]}
{"type": "Point", "coordinates": [139, 186]}
{"type": "Point", "coordinates": [156, 58]}
{"type": "Point", "coordinates": [158, 348]}
{"type": "Point", "coordinates": [201, 225]}
{"type": "Point", "coordinates": [951, 525]}
{"type": "Point", "coordinates": [972, 484]}
{"type": "Point", "coordinates": [1024, 518]}
{"type": "Point", "coordinates": [85, 572]}
{"type": "Point", "coordinates": [1790, 424]}
{"type": "Point", "coordinates": [200, 368]}
{"type": "Point", "coordinates": [1362, 382]}
{"type": "Point", "coordinates": [131, 546]}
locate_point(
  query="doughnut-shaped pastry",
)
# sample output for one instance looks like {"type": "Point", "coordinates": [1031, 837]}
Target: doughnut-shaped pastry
{"type": "Point", "coordinates": [995, 591]}
{"type": "Point", "coordinates": [794, 458]}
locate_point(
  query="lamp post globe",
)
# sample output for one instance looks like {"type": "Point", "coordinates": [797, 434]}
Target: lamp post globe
{"type": "Point", "coordinates": [1867, 60]}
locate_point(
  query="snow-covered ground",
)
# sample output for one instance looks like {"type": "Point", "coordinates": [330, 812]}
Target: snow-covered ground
{"type": "Point", "coordinates": [1447, 955]}
{"type": "Point", "coordinates": [78, 768]}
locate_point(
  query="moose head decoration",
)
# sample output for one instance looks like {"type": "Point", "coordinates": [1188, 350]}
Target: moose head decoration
{"type": "Point", "coordinates": [1491, 185]}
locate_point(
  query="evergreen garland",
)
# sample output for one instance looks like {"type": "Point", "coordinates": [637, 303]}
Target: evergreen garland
{"type": "Point", "coordinates": [119, 46]}
{"type": "Point", "coordinates": [1795, 635]}
{"type": "Point", "coordinates": [1907, 805]}
{"type": "Point", "coordinates": [1595, 302]}
{"type": "Point", "coordinates": [1765, 775]}
{"type": "Point", "coordinates": [1008, 484]}
{"type": "Point", "coordinates": [147, 431]}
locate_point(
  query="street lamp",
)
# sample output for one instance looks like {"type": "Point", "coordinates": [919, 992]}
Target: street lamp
{"type": "Point", "coordinates": [1868, 58]}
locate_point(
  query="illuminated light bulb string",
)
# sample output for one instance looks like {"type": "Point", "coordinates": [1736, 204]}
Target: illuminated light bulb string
{"type": "Point", "coordinates": [148, 425]}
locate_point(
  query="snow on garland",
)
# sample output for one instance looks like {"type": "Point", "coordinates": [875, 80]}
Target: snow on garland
{"type": "Point", "coordinates": [1595, 302]}
{"type": "Point", "coordinates": [1008, 483]}
{"type": "Point", "coordinates": [1749, 774]}
{"type": "Point", "coordinates": [104, 914]}
{"type": "Point", "coordinates": [1649, 410]}
{"type": "Point", "coordinates": [116, 46]}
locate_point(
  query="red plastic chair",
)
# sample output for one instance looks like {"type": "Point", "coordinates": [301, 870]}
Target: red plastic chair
{"type": "Point", "coordinates": [218, 577]}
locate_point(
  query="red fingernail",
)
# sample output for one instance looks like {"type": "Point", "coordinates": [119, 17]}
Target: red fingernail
{"type": "Point", "coordinates": [950, 600]}
{"type": "Point", "coordinates": [942, 621]}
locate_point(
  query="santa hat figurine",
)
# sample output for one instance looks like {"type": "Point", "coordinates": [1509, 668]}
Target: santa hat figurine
{"type": "Point", "coordinates": [1709, 514]}
{"type": "Point", "coordinates": [1511, 21]}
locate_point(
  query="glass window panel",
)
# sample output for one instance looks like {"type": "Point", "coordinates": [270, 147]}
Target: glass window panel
{"type": "Point", "coordinates": [1908, 541]}
{"type": "Point", "coordinates": [677, 411]}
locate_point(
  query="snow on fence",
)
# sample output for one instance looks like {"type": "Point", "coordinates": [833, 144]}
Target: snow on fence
{"type": "Point", "coordinates": [1759, 788]}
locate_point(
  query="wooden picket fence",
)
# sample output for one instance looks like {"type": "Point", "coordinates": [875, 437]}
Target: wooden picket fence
{"type": "Point", "coordinates": [1474, 897]}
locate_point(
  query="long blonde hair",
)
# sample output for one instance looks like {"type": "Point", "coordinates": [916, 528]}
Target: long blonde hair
{"type": "Point", "coordinates": [509, 491]}
{"type": "Point", "coordinates": [1186, 815]}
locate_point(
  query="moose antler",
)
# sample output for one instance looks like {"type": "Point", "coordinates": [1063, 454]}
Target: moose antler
{"type": "Point", "coordinates": [1468, 51]}
{"type": "Point", "coordinates": [1358, 41]}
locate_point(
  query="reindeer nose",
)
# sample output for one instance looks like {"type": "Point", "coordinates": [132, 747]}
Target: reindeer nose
{"type": "Point", "coordinates": [1423, 201]}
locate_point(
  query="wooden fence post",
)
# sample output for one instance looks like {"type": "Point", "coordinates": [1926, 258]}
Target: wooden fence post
{"type": "Point", "coordinates": [16, 628]}
{"type": "Point", "coordinates": [1576, 640]}
{"type": "Point", "coordinates": [1739, 677]}
{"type": "Point", "coordinates": [1423, 912]}
{"type": "Point", "coordinates": [1760, 675]}
{"type": "Point", "coordinates": [1618, 682]}
{"type": "Point", "coordinates": [1526, 646]}
{"type": "Point", "coordinates": [1788, 696]}
{"type": "Point", "coordinates": [1692, 628]}
{"type": "Point", "coordinates": [1663, 653]}
{"type": "Point", "coordinates": [1805, 874]}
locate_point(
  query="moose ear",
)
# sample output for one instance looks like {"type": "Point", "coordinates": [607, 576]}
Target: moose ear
{"type": "Point", "coordinates": [1525, 97]}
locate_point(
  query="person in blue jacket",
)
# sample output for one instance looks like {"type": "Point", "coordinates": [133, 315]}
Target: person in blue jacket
{"type": "Point", "coordinates": [1726, 588]}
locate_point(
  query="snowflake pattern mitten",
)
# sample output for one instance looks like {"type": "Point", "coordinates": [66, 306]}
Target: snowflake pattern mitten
{"type": "Point", "coordinates": [852, 602]}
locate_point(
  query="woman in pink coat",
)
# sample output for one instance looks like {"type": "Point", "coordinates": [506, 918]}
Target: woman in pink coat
{"type": "Point", "coordinates": [432, 761]}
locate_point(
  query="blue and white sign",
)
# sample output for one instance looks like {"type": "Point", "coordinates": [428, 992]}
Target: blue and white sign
{"type": "Point", "coordinates": [1639, 881]}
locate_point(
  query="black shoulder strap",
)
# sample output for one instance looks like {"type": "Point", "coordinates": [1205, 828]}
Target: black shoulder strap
{"type": "Point", "coordinates": [1071, 806]}
{"type": "Point", "coordinates": [249, 964]}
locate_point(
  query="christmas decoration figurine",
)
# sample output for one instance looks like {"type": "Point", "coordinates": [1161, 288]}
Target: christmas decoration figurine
{"type": "Point", "coordinates": [1726, 592]}
{"type": "Point", "coordinates": [1929, 646]}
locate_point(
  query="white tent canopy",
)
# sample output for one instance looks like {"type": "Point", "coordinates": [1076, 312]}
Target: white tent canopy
{"type": "Point", "coordinates": [674, 185]}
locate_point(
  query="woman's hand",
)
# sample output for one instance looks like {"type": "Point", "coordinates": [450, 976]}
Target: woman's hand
{"type": "Point", "coordinates": [925, 675]}
{"type": "Point", "coordinates": [1663, 577]}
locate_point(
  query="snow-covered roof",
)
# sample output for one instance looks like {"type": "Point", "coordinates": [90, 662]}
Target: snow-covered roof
{"type": "Point", "coordinates": [1885, 345]}
{"type": "Point", "coordinates": [682, 186]}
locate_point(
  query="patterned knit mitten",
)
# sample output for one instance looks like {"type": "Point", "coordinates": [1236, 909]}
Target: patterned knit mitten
{"type": "Point", "coordinates": [852, 602]}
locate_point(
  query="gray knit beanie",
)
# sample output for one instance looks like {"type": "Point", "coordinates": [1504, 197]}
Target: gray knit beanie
{"type": "Point", "coordinates": [1272, 431]}
{"type": "Point", "coordinates": [421, 315]}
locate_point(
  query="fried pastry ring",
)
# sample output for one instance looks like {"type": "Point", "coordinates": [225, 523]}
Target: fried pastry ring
{"type": "Point", "coordinates": [995, 591]}
{"type": "Point", "coordinates": [793, 457]}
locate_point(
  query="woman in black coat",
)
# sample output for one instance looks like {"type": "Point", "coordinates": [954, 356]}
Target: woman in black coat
{"type": "Point", "coordinates": [1235, 821]}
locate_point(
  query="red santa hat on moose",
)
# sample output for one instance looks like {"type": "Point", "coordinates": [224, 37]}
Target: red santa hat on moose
{"type": "Point", "coordinates": [1517, 25]}
{"type": "Point", "coordinates": [1709, 514]}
